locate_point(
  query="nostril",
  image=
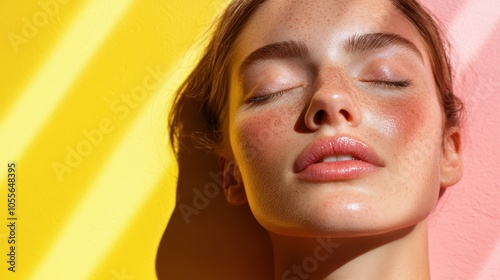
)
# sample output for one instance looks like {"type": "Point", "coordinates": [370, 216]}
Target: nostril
{"type": "Point", "coordinates": [318, 117]}
{"type": "Point", "coordinates": [346, 114]}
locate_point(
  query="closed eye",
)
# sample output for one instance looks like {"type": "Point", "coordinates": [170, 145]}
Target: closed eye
{"type": "Point", "coordinates": [394, 84]}
{"type": "Point", "coordinates": [261, 99]}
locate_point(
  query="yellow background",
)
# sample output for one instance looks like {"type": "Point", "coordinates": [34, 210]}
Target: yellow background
{"type": "Point", "coordinates": [85, 88]}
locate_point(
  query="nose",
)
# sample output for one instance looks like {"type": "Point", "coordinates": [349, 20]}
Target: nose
{"type": "Point", "coordinates": [333, 104]}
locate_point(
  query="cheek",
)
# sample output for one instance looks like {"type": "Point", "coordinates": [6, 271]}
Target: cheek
{"type": "Point", "coordinates": [419, 138]}
{"type": "Point", "coordinates": [407, 118]}
{"type": "Point", "coordinates": [409, 121]}
{"type": "Point", "coordinates": [416, 133]}
{"type": "Point", "coordinates": [421, 127]}
{"type": "Point", "coordinates": [258, 139]}
{"type": "Point", "coordinates": [411, 129]}
{"type": "Point", "coordinates": [261, 144]}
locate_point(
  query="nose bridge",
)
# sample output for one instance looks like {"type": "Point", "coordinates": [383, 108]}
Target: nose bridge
{"type": "Point", "coordinates": [333, 79]}
{"type": "Point", "coordinates": [334, 101]}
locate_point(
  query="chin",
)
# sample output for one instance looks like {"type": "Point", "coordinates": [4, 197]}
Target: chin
{"type": "Point", "coordinates": [344, 224]}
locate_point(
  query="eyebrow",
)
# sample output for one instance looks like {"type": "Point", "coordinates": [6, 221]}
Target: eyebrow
{"type": "Point", "coordinates": [374, 41]}
{"type": "Point", "coordinates": [280, 50]}
{"type": "Point", "coordinates": [356, 43]}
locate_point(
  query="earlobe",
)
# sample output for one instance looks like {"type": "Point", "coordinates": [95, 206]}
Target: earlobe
{"type": "Point", "coordinates": [451, 160]}
{"type": "Point", "coordinates": [234, 188]}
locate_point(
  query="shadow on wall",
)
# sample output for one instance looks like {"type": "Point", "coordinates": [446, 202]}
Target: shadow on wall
{"type": "Point", "coordinates": [206, 238]}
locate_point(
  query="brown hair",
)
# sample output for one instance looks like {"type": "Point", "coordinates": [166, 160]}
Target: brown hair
{"type": "Point", "coordinates": [207, 87]}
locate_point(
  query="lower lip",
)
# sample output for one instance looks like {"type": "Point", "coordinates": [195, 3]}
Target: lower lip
{"type": "Point", "coordinates": [335, 171]}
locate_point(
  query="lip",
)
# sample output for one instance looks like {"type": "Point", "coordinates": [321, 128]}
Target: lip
{"type": "Point", "coordinates": [308, 168]}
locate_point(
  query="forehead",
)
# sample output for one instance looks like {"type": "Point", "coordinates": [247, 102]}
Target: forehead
{"type": "Point", "coordinates": [322, 23]}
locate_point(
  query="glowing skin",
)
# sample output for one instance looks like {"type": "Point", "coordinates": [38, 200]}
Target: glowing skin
{"type": "Point", "coordinates": [385, 98]}
{"type": "Point", "coordinates": [402, 125]}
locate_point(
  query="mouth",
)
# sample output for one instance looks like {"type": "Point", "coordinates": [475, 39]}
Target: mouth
{"type": "Point", "coordinates": [336, 158]}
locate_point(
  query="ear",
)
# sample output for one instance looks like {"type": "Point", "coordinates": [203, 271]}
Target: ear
{"type": "Point", "coordinates": [234, 188]}
{"type": "Point", "coordinates": [451, 159]}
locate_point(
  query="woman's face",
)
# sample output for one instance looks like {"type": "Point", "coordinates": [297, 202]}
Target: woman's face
{"type": "Point", "coordinates": [334, 120]}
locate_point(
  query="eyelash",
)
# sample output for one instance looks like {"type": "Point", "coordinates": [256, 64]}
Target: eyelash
{"type": "Point", "coordinates": [267, 97]}
{"type": "Point", "coordinates": [272, 96]}
{"type": "Point", "coordinates": [392, 84]}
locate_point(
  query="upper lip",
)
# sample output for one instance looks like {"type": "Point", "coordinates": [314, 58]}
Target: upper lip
{"type": "Point", "coordinates": [328, 146]}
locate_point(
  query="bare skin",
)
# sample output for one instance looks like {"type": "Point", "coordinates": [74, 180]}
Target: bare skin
{"type": "Point", "coordinates": [357, 70]}
{"type": "Point", "coordinates": [401, 254]}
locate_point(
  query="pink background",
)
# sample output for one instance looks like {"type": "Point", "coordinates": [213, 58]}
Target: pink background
{"type": "Point", "coordinates": [465, 228]}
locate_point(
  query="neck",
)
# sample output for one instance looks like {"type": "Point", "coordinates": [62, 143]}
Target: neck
{"type": "Point", "coordinates": [398, 255]}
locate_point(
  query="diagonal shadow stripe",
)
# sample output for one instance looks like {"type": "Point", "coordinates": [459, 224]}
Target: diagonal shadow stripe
{"type": "Point", "coordinates": [57, 74]}
{"type": "Point", "coordinates": [128, 195]}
